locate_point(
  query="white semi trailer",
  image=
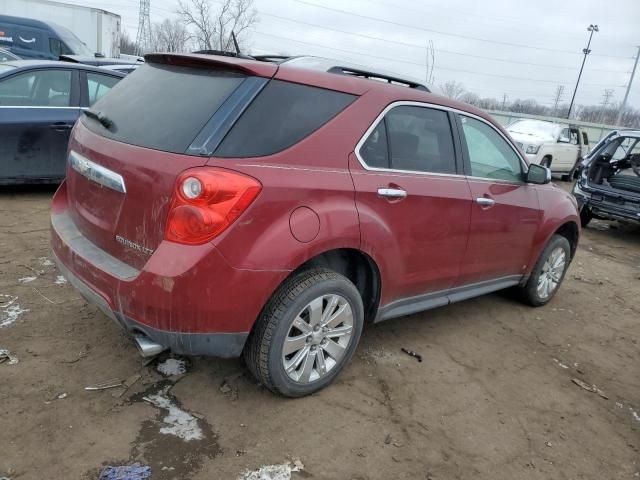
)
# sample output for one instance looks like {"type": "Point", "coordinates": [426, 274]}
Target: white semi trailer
{"type": "Point", "coordinates": [98, 29]}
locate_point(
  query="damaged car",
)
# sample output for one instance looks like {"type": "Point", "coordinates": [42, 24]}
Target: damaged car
{"type": "Point", "coordinates": [608, 186]}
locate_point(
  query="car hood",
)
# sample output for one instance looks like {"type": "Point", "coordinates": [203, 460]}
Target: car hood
{"type": "Point", "coordinates": [529, 138]}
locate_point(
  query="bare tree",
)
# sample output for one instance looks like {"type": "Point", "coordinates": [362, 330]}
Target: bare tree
{"type": "Point", "coordinates": [170, 36]}
{"type": "Point", "coordinates": [452, 89]}
{"type": "Point", "coordinates": [127, 45]}
{"type": "Point", "coordinates": [212, 28]}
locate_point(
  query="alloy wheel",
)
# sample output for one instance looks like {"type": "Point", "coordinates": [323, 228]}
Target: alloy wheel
{"type": "Point", "coordinates": [551, 273]}
{"type": "Point", "coordinates": [318, 338]}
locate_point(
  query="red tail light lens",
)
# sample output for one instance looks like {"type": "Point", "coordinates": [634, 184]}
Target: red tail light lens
{"type": "Point", "coordinates": [205, 202]}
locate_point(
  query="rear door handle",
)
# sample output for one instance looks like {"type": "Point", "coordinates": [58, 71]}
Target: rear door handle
{"type": "Point", "coordinates": [61, 126]}
{"type": "Point", "coordinates": [485, 202]}
{"type": "Point", "coordinates": [392, 193]}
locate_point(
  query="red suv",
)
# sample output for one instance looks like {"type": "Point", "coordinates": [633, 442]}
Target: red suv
{"type": "Point", "coordinates": [224, 206]}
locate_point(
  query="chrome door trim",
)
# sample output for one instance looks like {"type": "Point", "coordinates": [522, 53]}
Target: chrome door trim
{"type": "Point", "coordinates": [485, 202]}
{"type": "Point", "coordinates": [392, 193]}
{"type": "Point", "coordinates": [96, 173]}
{"type": "Point", "coordinates": [401, 103]}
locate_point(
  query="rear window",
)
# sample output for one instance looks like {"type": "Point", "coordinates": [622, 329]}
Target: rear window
{"type": "Point", "coordinates": [163, 107]}
{"type": "Point", "coordinates": [283, 114]}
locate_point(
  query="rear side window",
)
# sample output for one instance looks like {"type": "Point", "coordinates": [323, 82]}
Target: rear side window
{"type": "Point", "coordinates": [283, 114]}
{"type": "Point", "coordinates": [412, 138]}
{"type": "Point", "coordinates": [98, 85]}
{"type": "Point", "coordinates": [163, 107]}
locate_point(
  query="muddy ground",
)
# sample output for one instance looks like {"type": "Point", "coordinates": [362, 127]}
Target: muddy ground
{"type": "Point", "coordinates": [492, 399]}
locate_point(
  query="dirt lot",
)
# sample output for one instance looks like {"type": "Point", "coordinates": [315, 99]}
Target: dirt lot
{"type": "Point", "coordinates": [492, 399]}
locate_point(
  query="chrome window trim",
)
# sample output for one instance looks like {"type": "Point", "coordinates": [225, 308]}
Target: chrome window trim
{"type": "Point", "coordinates": [37, 106]}
{"type": "Point", "coordinates": [401, 103]}
{"type": "Point", "coordinates": [96, 173]}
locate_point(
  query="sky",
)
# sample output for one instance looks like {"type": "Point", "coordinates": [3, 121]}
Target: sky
{"type": "Point", "coordinates": [520, 48]}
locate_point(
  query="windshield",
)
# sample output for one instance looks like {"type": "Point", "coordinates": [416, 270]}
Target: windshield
{"type": "Point", "coordinates": [535, 128]}
{"type": "Point", "coordinates": [73, 42]}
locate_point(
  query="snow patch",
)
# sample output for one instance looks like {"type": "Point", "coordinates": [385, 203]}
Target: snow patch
{"type": "Point", "coordinates": [179, 423]}
{"type": "Point", "coordinates": [10, 310]}
{"type": "Point", "coordinates": [272, 472]}
{"type": "Point", "coordinates": [172, 366]}
{"type": "Point", "coordinates": [60, 280]}
{"type": "Point", "coordinates": [26, 279]}
{"type": "Point", "coordinates": [6, 355]}
{"type": "Point", "coordinates": [560, 364]}
{"type": "Point", "coordinates": [634, 414]}
{"type": "Point", "coordinates": [45, 262]}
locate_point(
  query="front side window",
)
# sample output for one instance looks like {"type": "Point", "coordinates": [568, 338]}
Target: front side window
{"type": "Point", "coordinates": [574, 136]}
{"type": "Point", "coordinates": [411, 138]}
{"type": "Point", "coordinates": [40, 88]}
{"type": "Point", "coordinates": [58, 48]}
{"type": "Point", "coordinates": [490, 156]}
{"type": "Point", "coordinates": [98, 85]}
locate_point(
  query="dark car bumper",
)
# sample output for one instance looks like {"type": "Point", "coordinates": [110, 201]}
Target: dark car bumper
{"type": "Point", "coordinates": [606, 205]}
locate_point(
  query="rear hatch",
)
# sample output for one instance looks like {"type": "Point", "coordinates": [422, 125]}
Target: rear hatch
{"type": "Point", "coordinates": [162, 119]}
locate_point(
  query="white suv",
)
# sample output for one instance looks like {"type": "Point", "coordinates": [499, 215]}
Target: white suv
{"type": "Point", "coordinates": [553, 145]}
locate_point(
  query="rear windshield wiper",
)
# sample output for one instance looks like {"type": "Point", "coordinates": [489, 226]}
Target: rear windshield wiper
{"type": "Point", "coordinates": [99, 116]}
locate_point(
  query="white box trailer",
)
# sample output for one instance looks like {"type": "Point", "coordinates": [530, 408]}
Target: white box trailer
{"type": "Point", "coordinates": [98, 29]}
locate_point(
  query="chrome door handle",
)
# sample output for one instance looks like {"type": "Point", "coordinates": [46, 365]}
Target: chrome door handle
{"type": "Point", "coordinates": [392, 193]}
{"type": "Point", "coordinates": [485, 202]}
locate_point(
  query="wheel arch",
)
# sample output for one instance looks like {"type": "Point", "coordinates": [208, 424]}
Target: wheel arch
{"type": "Point", "coordinates": [571, 232]}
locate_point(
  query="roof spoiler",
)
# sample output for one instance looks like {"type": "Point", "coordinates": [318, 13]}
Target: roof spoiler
{"type": "Point", "coordinates": [240, 65]}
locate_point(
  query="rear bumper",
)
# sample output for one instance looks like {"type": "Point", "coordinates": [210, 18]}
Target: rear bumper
{"type": "Point", "coordinates": [607, 206]}
{"type": "Point", "coordinates": [224, 345]}
{"type": "Point", "coordinates": [186, 298]}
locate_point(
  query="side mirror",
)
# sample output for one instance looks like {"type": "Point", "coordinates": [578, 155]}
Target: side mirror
{"type": "Point", "coordinates": [538, 174]}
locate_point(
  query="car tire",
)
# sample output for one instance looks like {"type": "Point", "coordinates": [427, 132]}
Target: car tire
{"type": "Point", "coordinates": [585, 216]}
{"type": "Point", "coordinates": [547, 274]}
{"type": "Point", "coordinates": [276, 352]}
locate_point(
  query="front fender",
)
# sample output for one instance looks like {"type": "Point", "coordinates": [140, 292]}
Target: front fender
{"type": "Point", "coordinates": [558, 208]}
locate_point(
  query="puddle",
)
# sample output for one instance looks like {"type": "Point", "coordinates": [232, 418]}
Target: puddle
{"type": "Point", "coordinates": [10, 310]}
{"type": "Point", "coordinates": [176, 442]}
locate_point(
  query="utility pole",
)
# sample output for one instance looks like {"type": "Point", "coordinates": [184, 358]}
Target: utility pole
{"type": "Point", "coordinates": [431, 61]}
{"type": "Point", "coordinates": [556, 102]}
{"type": "Point", "coordinates": [626, 95]}
{"type": "Point", "coordinates": [591, 28]}
{"type": "Point", "coordinates": [504, 101]}
{"type": "Point", "coordinates": [143, 38]}
{"type": "Point", "coordinates": [606, 96]}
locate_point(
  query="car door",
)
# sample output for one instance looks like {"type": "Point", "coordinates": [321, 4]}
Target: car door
{"type": "Point", "coordinates": [94, 86]}
{"type": "Point", "coordinates": [38, 109]}
{"type": "Point", "coordinates": [564, 152]}
{"type": "Point", "coordinates": [505, 211]}
{"type": "Point", "coordinates": [413, 201]}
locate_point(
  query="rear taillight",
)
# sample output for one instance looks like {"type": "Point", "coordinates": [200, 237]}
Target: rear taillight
{"type": "Point", "coordinates": [205, 202]}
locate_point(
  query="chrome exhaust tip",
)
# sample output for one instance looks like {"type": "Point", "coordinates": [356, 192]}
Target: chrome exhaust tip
{"type": "Point", "coordinates": [147, 347]}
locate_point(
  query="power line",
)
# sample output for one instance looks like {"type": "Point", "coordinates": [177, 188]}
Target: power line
{"type": "Point", "coordinates": [415, 45]}
{"type": "Point", "coordinates": [408, 62]}
{"type": "Point", "coordinates": [457, 35]}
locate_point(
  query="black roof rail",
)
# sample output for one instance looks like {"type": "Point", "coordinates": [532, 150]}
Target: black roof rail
{"type": "Point", "coordinates": [356, 72]}
{"type": "Point", "coordinates": [224, 53]}
{"type": "Point", "coordinates": [272, 58]}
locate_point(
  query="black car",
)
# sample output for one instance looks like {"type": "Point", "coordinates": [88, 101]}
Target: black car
{"type": "Point", "coordinates": [608, 185]}
{"type": "Point", "coordinates": [39, 103]}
